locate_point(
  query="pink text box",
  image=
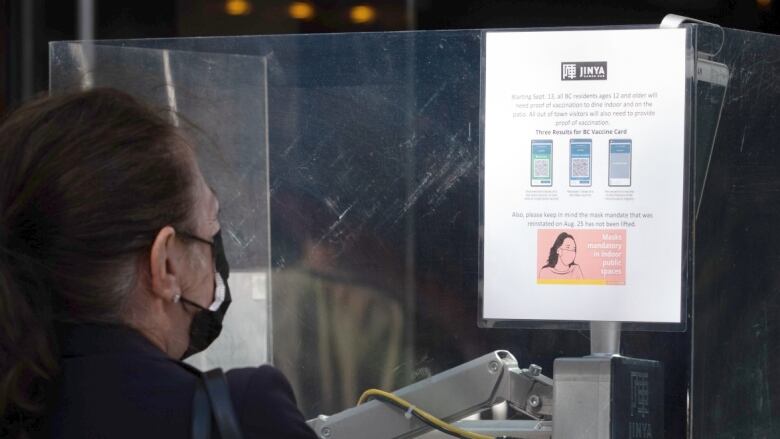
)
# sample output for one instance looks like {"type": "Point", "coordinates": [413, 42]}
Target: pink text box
{"type": "Point", "coordinates": [598, 257]}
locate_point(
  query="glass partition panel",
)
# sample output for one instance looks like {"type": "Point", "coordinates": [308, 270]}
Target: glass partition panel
{"type": "Point", "coordinates": [219, 101]}
{"type": "Point", "coordinates": [374, 210]}
{"type": "Point", "coordinates": [374, 194]}
{"type": "Point", "coordinates": [374, 157]}
{"type": "Point", "coordinates": [736, 305]}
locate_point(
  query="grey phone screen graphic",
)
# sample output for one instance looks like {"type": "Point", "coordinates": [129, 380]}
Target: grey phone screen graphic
{"type": "Point", "coordinates": [620, 162]}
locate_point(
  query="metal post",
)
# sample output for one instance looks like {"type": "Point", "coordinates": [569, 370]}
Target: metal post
{"type": "Point", "coordinates": [411, 14]}
{"type": "Point", "coordinates": [86, 23]}
{"type": "Point", "coordinates": [27, 49]}
{"type": "Point", "coordinates": [86, 33]}
{"type": "Point", "coordinates": [410, 167]}
{"type": "Point", "coordinates": [604, 339]}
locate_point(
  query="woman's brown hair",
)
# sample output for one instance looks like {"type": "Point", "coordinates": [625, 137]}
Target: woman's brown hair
{"type": "Point", "coordinates": [87, 180]}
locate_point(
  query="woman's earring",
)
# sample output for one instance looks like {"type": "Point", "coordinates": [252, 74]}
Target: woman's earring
{"type": "Point", "coordinates": [176, 298]}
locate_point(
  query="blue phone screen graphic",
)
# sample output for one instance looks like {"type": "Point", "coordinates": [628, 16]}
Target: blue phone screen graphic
{"type": "Point", "coordinates": [580, 162]}
{"type": "Point", "coordinates": [541, 163]}
{"type": "Point", "coordinates": [620, 162]}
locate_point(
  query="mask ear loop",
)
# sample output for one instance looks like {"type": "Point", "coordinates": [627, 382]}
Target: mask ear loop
{"type": "Point", "coordinates": [221, 260]}
{"type": "Point", "coordinates": [219, 294]}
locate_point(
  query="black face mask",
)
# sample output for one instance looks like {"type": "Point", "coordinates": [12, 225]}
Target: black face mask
{"type": "Point", "coordinates": [207, 322]}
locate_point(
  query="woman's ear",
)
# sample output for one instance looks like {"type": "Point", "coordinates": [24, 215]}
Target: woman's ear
{"type": "Point", "coordinates": [165, 284]}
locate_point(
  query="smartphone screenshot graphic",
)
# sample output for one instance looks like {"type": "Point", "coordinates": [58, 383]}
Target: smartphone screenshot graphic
{"type": "Point", "coordinates": [541, 163]}
{"type": "Point", "coordinates": [620, 162]}
{"type": "Point", "coordinates": [580, 162]}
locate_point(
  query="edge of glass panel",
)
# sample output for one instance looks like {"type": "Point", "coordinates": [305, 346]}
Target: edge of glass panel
{"type": "Point", "coordinates": [164, 42]}
{"type": "Point", "coordinates": [56, 46]}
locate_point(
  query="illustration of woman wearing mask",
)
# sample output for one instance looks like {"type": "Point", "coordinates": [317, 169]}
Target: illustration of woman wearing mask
{"type": "Point", "coordinates": [560, 263]}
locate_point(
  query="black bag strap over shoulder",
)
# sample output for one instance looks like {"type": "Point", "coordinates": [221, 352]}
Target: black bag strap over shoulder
{"type": "Point", "coordinates": [201, 413]}
{"type": "Point", "coordinates": [222, 405]}
{"type": "Point", "coordinates": [212, 403]}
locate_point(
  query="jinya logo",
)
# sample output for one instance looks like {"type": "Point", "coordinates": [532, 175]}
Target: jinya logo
{"type": "Point", "coordinates": [576, 71]}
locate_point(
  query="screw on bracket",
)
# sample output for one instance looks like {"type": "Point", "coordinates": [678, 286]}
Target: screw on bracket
{"type": "Point", "coordinates": [325, 432]}
{"type": "Point", "coordinates": [535, 370]}
{"type": "Point", "coordinates": [493, 366]}
{"type": "Point", "coordinates": [534, 401]}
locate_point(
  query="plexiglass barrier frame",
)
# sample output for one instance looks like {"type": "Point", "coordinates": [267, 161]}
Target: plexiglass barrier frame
{"type": "Point", "coordinates": [374, 192]}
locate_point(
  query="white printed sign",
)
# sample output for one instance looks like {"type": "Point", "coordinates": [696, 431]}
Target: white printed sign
{"type": "Point", "coordinates": [584, 149]}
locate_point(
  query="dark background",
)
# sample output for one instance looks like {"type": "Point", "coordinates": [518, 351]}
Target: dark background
{"type": "Point", "coordinates": [24, 34]}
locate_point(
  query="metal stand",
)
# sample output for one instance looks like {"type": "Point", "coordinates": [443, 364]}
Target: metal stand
{"type": "Point", "coordinates": [452, 395]}
{"type": "Point", "coordinates": [604, 339]}
{"type": "Point", "coordinates": [606, 395]}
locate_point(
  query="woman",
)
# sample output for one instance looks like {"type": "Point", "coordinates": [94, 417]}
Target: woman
{"type": "Point", "coordinates": [109, 242]}
{"type": "Point", "coordinates": [560, 262]}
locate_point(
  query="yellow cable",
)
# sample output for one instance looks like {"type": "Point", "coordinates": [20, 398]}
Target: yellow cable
{"type": "Point", "coordinates": [429, 417]}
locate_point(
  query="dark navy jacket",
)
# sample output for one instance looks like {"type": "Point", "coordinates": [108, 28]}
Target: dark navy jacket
{"type": "Point", "coordinates": [114, 383]}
